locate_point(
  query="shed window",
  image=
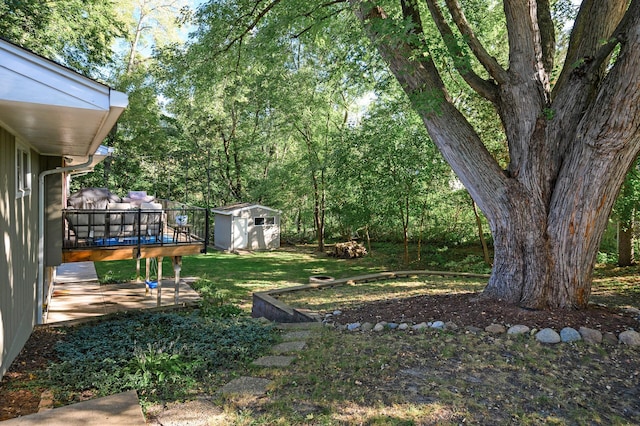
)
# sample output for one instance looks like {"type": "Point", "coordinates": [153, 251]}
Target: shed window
{"type": "Point", "coordinates": [23, 171]}
{"type": "Point", "coordinates": [263, 221]}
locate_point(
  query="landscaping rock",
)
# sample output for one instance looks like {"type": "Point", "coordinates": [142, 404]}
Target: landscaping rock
{"type": "Point", "coordinates": [367, 326]}
{"type": "Point", "coordinates": [589, 335]}
{"type": "Point", "coordinates": [495, 329]}
{"type": "Point", "coordinates": [438, 324]}
{"type": "Point", "coordinates": [379, 326]}
{"type": "Point", "coordinates": [518, 329]}
{"type": "Point", "coordinates": [548, 335]}
{"type": "Point", "coordinates": [630, 338]}
{"type": "Point", "coordinates": [569, 334]}
{"type": "Point", "coordinates": [420, 326]}
{"type": "Point", "coordinates": [632, 311]}
{"type": "Point", "coordinates": [353, 326]}
{"type": "Point", "coordinates": [609, 338]}
{"type": "Point", "coordinates": [392, 325]}
{"type": "Point", "coordinates": [473, 329]}
{"type": "Point", "coordinates": [403, 326]}
{"type": "Point", "coordinates": [450, 325]}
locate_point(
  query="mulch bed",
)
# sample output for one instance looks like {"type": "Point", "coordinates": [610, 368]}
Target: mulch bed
{"type": "Point", "coordinates": [464, 311]}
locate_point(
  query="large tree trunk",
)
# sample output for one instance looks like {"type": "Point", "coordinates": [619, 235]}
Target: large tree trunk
{"type": "Point", "coordinates": [569, 149]}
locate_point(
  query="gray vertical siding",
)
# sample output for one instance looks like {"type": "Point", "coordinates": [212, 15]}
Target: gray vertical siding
{"type": "Point", "coordinates": [53, 212]}
{"type": "Point", "coordinates": [222, 231]}
{"type": "Point", "coordinates": [18, 254]}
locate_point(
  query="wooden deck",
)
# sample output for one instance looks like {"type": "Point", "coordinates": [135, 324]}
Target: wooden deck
{"type": "Point", "coordinates": [124, 252]}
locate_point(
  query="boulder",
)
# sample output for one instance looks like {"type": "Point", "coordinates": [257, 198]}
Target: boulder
{"type": "Point", "coordinates": [589, 335]}
{"type": "Point", "coordinates": [548, 335]}
{"type": "Point", "coordinates": [569, 334]}
{"type": "Point", "coordinates": [629, 338]}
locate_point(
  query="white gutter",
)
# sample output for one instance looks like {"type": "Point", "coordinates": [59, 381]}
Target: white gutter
{"type": "Point", "coordinates": [41, 189]}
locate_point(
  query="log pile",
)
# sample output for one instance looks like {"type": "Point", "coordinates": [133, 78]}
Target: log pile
{"type": "Point", "coordinates": [348, 250]}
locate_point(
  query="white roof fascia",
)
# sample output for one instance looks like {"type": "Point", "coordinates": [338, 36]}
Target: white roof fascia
{"type": "Point", "coordinates": [240, 209]}
{"type": "Point", "coordinates": [52, 108]}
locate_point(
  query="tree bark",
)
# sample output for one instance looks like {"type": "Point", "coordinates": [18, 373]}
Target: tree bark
{"type": "Point", "coordinates": [569, 149]}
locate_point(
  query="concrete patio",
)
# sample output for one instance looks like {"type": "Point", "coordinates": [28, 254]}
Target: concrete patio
{"type": "Point", "coordinates": [77, 294]}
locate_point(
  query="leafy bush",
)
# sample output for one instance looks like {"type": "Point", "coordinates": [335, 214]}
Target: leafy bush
{"type": "Point", "coordinates": [162, 355]}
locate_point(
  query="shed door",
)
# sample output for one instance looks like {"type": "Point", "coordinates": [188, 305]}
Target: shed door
{"type": "Point", "coordinates": [240, 236]}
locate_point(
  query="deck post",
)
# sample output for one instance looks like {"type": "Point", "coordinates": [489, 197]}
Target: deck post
{"type": "Point", "coordinates": [148, 274]}
{"type": "Point", "coordinates": [160, 281]}
{"type": "Point", "coordinates": [177, 267]}
{"type": "Point", "coordinates": [138, 278]}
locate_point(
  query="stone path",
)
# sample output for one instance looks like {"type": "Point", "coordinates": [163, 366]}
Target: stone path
{"type": "Point", "coordinates": [205, 412]}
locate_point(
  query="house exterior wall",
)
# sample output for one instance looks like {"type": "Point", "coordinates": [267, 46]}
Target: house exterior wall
{"type": "Point", "coordinates": [18, 253]}
{"type": "Point", "coordinates": [53, 212]}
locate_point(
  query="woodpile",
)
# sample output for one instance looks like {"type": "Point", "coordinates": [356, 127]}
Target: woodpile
{"type": "Point", "coordinates": [348, 250]}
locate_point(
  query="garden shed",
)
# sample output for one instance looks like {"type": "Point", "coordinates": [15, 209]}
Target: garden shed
{"type": "Point", "coordinates": [246, 226]}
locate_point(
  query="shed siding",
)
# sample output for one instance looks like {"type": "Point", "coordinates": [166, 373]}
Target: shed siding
{"type": "Point", "coordinates": [259, 237]}
{"type": "Point", "coordinates": [18, 254]}
{"type": "Point", "coordinates": [222, 232]}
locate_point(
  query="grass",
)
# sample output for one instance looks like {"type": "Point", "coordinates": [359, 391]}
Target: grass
{"type": "Point", "coordinates": [392, 378]}
{"type": "Point", "coordinates": [240, 275]}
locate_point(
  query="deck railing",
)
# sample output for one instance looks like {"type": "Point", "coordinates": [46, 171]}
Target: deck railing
{"type": "Point", "coordinates": [165, 224]}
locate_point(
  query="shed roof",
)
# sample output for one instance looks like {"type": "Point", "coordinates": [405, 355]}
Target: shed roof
{"type": "Point", "coordinates": [54, 109]}
{"type": "Point", "coordinates": [233, 209]}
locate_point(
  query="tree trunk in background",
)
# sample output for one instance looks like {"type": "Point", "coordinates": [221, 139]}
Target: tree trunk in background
{"type": "Point", "coordinates": [483, 241]}
{"type": "Point", "coordinates": [625, 243]}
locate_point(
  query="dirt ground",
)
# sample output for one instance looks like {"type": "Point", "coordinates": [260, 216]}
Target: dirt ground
{"type": "Point", "coordinates": [460, 308]}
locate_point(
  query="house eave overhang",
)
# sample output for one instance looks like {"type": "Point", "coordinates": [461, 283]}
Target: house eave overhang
{"type": "Point", "coordinates": [53, 109]}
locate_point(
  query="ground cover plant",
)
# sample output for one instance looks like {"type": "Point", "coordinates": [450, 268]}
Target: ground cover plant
{"type": "Point", "coordinates": [163, 355]}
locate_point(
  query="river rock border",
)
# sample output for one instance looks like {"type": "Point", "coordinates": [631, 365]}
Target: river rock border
{"type": "Point", "coordinates": [266, 304]}
{"type": "Point", "coordinates": [546, 335]}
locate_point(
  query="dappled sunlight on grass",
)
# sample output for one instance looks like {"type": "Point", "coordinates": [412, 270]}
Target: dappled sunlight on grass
{"type": "Point", "coordinates": [346, 296]}
{"type": "Point", "coordinates": [616, 286]}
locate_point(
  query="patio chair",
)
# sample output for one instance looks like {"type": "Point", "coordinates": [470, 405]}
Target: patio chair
{"type": "Point", "coordinates": [151, 220]}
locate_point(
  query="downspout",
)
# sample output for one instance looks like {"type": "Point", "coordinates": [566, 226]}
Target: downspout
{"type": "Point", "coordinates": [41, 206]}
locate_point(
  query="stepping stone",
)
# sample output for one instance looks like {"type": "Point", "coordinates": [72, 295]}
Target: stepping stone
{"type": "Point", "coordinates": [274, 361]}
{"type": "Point", "coordinates": [200, 411]}
{"type": "Point", "coordinates": [246, 386]}
{"type": "Point", "coordinates": [297, 335]}
{"type": "Point", "coordinates": [284, 347]}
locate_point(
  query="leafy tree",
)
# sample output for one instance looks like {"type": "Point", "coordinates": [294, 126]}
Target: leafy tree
{"type": "Point", "coordinates": [76, 33]}
{"type": "Point", "coordinates": [626, 211]}
{"type": "Point", "coordinates": [390, 162]}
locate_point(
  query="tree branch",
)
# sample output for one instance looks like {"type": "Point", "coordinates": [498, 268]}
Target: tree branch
{"type": "Point", "coordinates": [547, 34]}
{"type": "Point", "coordinates": [315, 21]}
{"type": "Point", "coordinates": [488, 62]}
{"type": "Point", "coordinates": [484, 88]}
{"type": "Point", "coordinates": [251, 25]}
{"type": "Point", "coordinates": [596, 21]}
{"type": "Point", "coordinates": [452, 133]}
{"type": "Point", "coordinates": [619, 36]}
